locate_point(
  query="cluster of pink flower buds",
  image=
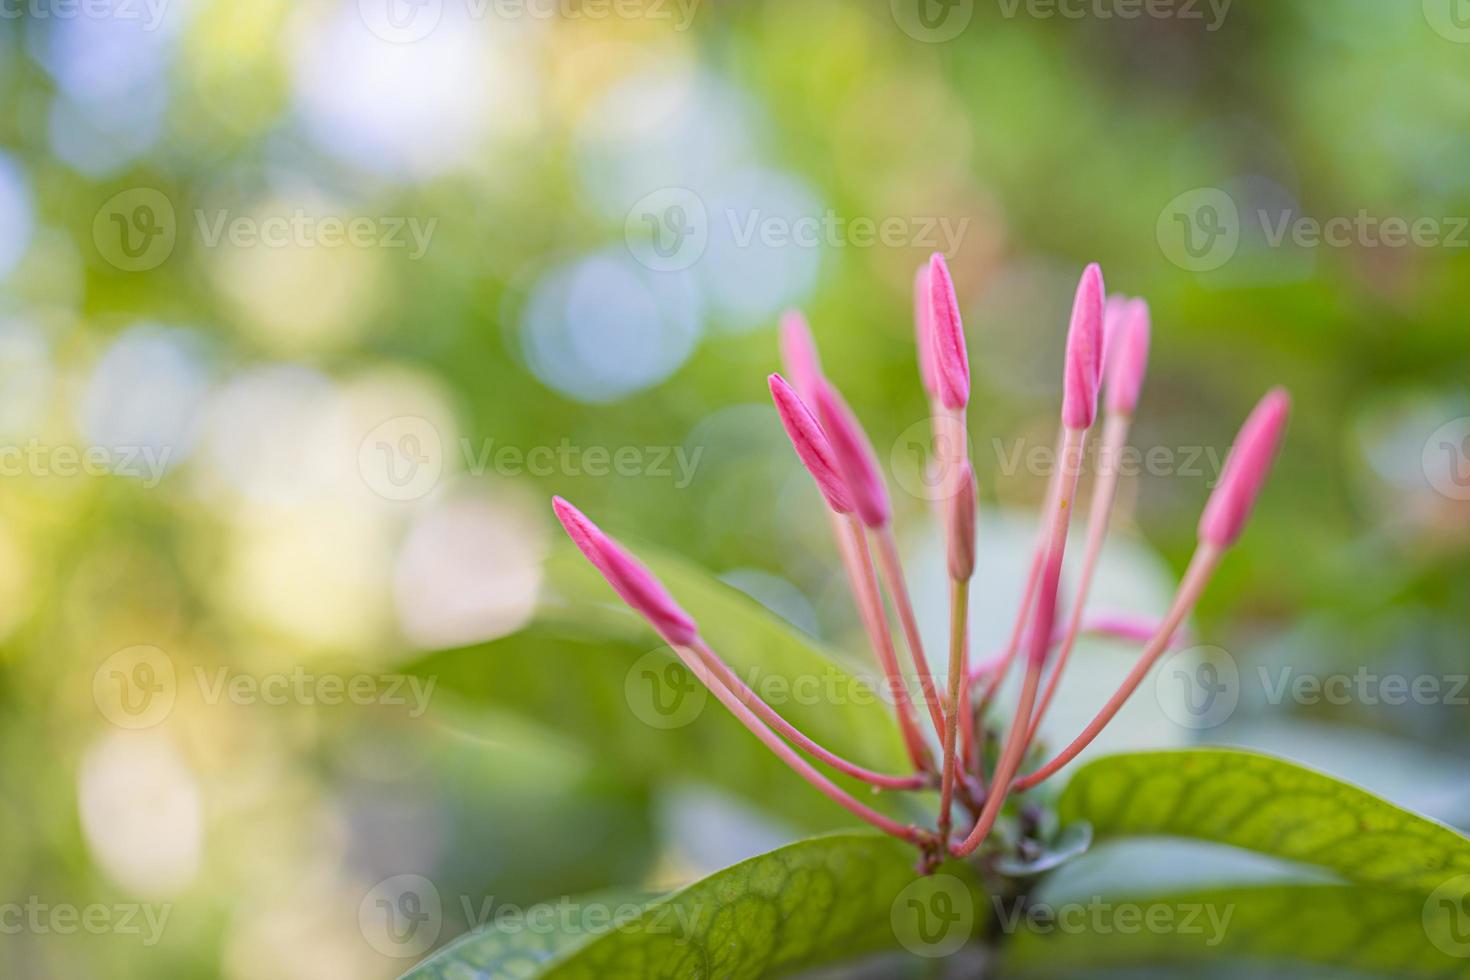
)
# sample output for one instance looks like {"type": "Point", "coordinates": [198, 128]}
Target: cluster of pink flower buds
{"type": "Point", "coordinates": [1107, 348]}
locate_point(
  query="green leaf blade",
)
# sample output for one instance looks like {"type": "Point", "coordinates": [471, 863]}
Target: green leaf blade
{"type": "Point", "coordinates": [818, 901]}
{"type": "Point", "coordinates": [1270, 806]}
{"type": "Point", "coordinates": [1370, 931]}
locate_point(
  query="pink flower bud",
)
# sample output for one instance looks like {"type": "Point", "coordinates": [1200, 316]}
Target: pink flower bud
{"type": "Point", "coordinates": [1245, 470]}
{"type": "Point", "coordinates": [855, 458]}
{"type": "Point", "coordinates": [924, 332]}
{"type": "Point", "coordinates": [951, 362]}
{"type": "Point", "coordinates": [962, 526]}
{"type": "Point", "coordinates": [1112, 318]}
{"type": "Point", "coordinates": [1127, 345]}
{"type": "Point", "coordinates": [584, 534]}
{"type": "Point", "coordinates": [811, 444]}
{"type": "Point", "coordinates": [635, 584]}
{"type": "Point", "coordinates": [1084, 352]}
{"type": "Point", "coordinates": [799, 354]}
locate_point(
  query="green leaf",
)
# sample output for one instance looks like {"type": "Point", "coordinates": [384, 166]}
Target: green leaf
{"type": "Point", "coordinates": [832, 699]}
{"type": "Point", "coordinates": [593, 672]}
{"type": "Point", "coordinates": [504, 953]}
{"type": "Point", "coordinates": [1267, 805]}
{"type": "Point", "coordinates": [815, 902]}
{"type": "Point", "coordinates": [1371, 931]}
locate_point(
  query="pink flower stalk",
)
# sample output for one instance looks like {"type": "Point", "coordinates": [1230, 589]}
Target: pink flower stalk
{"type": "Point", "coordinates": [811, 444]}
{"type": "Point", "coordinates": [799, 354]}
{"type": "Point", "coordinates": [1224, 517]}
{"type": "Point", "coordinates": [924, 332]}
{"type": "Point", "coordinates": [1127, 350]}
{"type": "Point", "coordinates": [1110, 335]}
{"type": "Point", "coordinates": [855, 458]}
{"type": "Point", "coordinates": [1084, 352]}
{"type": "Point", "coordinates": [1245, 471]}
{"type": "Point", "coordinates": [635, 584]}
{"type": "Point", "coordinates": [951, 361]}
{"type": "Point", "coordinates": [961, 526]}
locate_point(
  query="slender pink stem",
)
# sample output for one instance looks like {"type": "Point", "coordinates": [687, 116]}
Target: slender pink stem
{"type": "Point", "coordinates": [1118, 626]}
{"type": "Point", "coordinates": [849, 535]}
{"type": "Point", "coordinates": [843, 536]}
{"type": "Point", "coordinates": [967, 709]}
{"type": "Point", "coordinates": [1018, 628]}
{"type": "Point", "coordinates": [959, 607]}
{"type": "Point", "coordinates": [875, 620]}
{"type": "Point", "coordinates": [793, 734]}
{"type": "Point", "coordinates": [961, 436]}
{"type": "Point", "coordinates": [1122, 626]}
{"type": "Point", "coordinates": [788, 755]}
{"type": "Point", "coordinates": [1010, 761]}
{"type": "Point", "coordinates": [898, 591]}
{"type": "Point", "coordinates": [1201, 567]}
{"type": "Point", "coordinates": [1048, 582]}
{"type": "Point", "coordinates": [1115, 432]}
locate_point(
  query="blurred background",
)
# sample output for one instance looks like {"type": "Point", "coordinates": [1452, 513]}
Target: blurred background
{"type": "Point", "coordinates": [307, 308]}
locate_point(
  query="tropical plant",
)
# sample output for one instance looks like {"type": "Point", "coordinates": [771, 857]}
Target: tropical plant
{"type": "Point", "coordinates": [1370, 881]}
